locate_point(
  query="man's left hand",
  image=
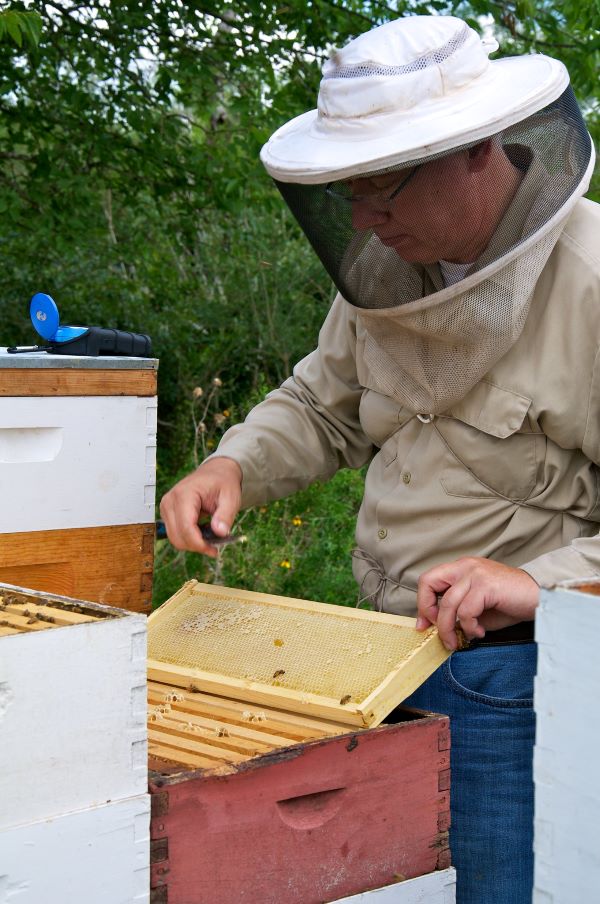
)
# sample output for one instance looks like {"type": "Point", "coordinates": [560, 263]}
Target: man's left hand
{"type": "Point", "coordinates": [479, 593]}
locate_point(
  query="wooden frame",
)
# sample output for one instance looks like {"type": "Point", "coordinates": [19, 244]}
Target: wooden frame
{"type": "Point", "coordinates": [76, 382]}
{"type": "Point", "coordinates": [399, 683]}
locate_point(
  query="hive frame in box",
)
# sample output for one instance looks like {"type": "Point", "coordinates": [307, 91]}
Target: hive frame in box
{"type": "Point", "coordinates": [400, 681]}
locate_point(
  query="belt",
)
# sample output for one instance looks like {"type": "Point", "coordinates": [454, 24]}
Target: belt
{"type": "Point", "coordinates": [521, 633]}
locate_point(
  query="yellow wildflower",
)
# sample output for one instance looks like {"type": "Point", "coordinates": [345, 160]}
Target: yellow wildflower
{"type": "Point", "coordinates": [296, 521]}
{"type": "Point", "coordinates": [285, 564]}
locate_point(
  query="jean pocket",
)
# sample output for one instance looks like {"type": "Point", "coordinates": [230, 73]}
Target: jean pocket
{"type": "Point", "coordinates": [498, 676]}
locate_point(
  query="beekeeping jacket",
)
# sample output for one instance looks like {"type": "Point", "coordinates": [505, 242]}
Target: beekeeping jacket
{"type": "Point", "coordinates": [511, 472]}
{"type": "Point", "coordinates": [476, 403]}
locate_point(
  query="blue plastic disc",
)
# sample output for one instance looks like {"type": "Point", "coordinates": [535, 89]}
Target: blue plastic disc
{"type": "Point", "coordinates": [44, 315]}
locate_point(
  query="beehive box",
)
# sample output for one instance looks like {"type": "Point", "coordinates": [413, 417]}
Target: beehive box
{"type": "Point", "coordinates": [567, 782]}
{"type": "Point", "coordinates": [99, 855]}
{"type": "Point", "coordinates": [435, 888]}
{"type": "Point", "coordinates": [72, 705]}
{"type": "Point", "coordinates": [77, 466]}
{"type": "Point", "coordinates": [264, 751]}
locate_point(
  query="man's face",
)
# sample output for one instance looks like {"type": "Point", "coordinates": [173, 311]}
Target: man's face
{"type": "Point", "coordinates": [435, 216]}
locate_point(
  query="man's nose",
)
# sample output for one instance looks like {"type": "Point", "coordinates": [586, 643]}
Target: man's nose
{"type": "Point", "coordinates": [367, 216]}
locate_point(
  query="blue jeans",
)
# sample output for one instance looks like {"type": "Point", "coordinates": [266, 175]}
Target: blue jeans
{"type": "Point", "coordinates": [488, 694]}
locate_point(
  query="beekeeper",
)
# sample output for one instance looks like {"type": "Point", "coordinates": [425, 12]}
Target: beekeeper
{"type": "Point", "coordinates": [443, 193]}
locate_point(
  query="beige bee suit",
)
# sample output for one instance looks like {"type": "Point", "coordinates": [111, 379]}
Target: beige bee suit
{"type": "Point", "coordinates": [511, 472]}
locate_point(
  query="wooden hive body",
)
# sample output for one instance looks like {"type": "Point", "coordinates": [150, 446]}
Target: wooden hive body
{"type": "Point", "coordinates": [72, 692]}
{"type": "Point", "coordinates": [74, 820]}
{"type": "Point", "coordinates": [269, 793]}
{"type": "Point", "coordinates": [567, 782]}
{"type": "Point", "coordinates": [77, 464]}
{"type": "Point", "coordinates": [306, 823]}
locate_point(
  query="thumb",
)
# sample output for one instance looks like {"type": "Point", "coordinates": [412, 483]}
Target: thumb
{"type": "Point", "coordinates": [228, 506]}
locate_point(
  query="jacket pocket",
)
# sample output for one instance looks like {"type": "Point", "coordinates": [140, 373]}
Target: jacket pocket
{"type": "Point", "coordinates": [490, 450]}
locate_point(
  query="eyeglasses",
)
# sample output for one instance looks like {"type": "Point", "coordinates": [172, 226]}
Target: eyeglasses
{"type": "Point", "coordinates": [342, 191]}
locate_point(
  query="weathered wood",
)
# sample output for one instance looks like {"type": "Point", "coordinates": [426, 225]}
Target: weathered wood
{"type": "Point", "coordinates": [100, 564]}
{"type": "Point", "coordinates": [77, 382]}
{"type": "Point", "coordinates": [308, 824]}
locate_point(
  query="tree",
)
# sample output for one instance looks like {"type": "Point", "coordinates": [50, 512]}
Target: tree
{"type": "Point", "coordinates": [130, 181]}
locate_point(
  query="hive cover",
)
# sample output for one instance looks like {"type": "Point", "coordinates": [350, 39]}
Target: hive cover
{"type": "Point", "coordinates": [347, 665]}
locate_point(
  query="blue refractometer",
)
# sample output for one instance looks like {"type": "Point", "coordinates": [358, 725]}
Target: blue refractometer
{"type": "Point", "coordinates": [79, 340]}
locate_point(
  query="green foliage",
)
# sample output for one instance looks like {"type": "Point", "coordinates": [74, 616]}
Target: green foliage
{"type": "Point", "coordinates": [299, 547]}
{"type": "Point", "coordinates": [20, 27]}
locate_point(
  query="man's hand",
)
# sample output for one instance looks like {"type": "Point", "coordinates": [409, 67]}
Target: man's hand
{"type": "Point", "coordinates": [479, 593]}
{"type": "Point", "coordinates": [214, 489]}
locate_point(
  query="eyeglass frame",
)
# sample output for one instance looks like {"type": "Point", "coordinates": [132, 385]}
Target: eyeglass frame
{"type": "Point", "coordinates": [375, 196]}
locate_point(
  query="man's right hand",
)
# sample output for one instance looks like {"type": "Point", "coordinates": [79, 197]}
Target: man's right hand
{"type": "Point", "coordinates": [214, 489]}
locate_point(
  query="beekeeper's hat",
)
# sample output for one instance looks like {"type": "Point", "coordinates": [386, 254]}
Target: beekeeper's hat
{"type": "Point", "coordinates": [410, 89]}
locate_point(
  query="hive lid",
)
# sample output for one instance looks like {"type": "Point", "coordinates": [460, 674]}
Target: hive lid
{"type": "Point", "coordinates": [347, 665]}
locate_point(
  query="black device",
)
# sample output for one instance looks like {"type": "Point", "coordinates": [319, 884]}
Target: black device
{"type": "Point", "coordinates": [79, 340]}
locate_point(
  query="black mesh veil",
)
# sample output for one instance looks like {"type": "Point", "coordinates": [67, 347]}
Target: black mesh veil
{"type": "Point", "coordinates": [548, 154]}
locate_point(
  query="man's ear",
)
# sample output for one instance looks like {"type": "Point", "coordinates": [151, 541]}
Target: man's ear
{"type": "Point", "coordinates": [479, 155]}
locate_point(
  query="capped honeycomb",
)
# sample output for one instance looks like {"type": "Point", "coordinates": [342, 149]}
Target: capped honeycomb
{"type": "Point", "coordinates": [303, 647]}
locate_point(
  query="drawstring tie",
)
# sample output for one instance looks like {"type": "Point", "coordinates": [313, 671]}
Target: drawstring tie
{"type": "Point", "coordinates": [376, 596]}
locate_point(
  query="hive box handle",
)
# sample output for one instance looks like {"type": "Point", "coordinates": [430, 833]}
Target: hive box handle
{"type": "Point", "coordinates": [20, 445]}
{"type": "Point", "coordinates": [308, 811]}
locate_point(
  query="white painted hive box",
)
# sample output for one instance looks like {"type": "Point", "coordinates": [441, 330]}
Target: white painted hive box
{"type": "Point", "coordinates": [72, 705]}
{"type": "Point", "coordinates": [78, 471]}
{"type": "Point", "coordinates": [567, 778]}
{"type": "Point", "coordinates": [96, 856]}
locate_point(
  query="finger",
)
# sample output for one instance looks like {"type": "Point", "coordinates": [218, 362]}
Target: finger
{"type": "Point", "coordinates": [431, 584]}
{"type": "Point", "coordinates": [434, 583]}
{"type": "Point", "coordinates": [182, 524]}
{"type": "Point", "coordinates": [448, 608]}
{"type": "Point", "coordinates": [470, 612]}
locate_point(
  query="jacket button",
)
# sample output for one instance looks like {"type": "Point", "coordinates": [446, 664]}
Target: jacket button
{"type": "Point", "coordinates": [406, 477]}
{"type": "Point", "coordinates": [382, 533]}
